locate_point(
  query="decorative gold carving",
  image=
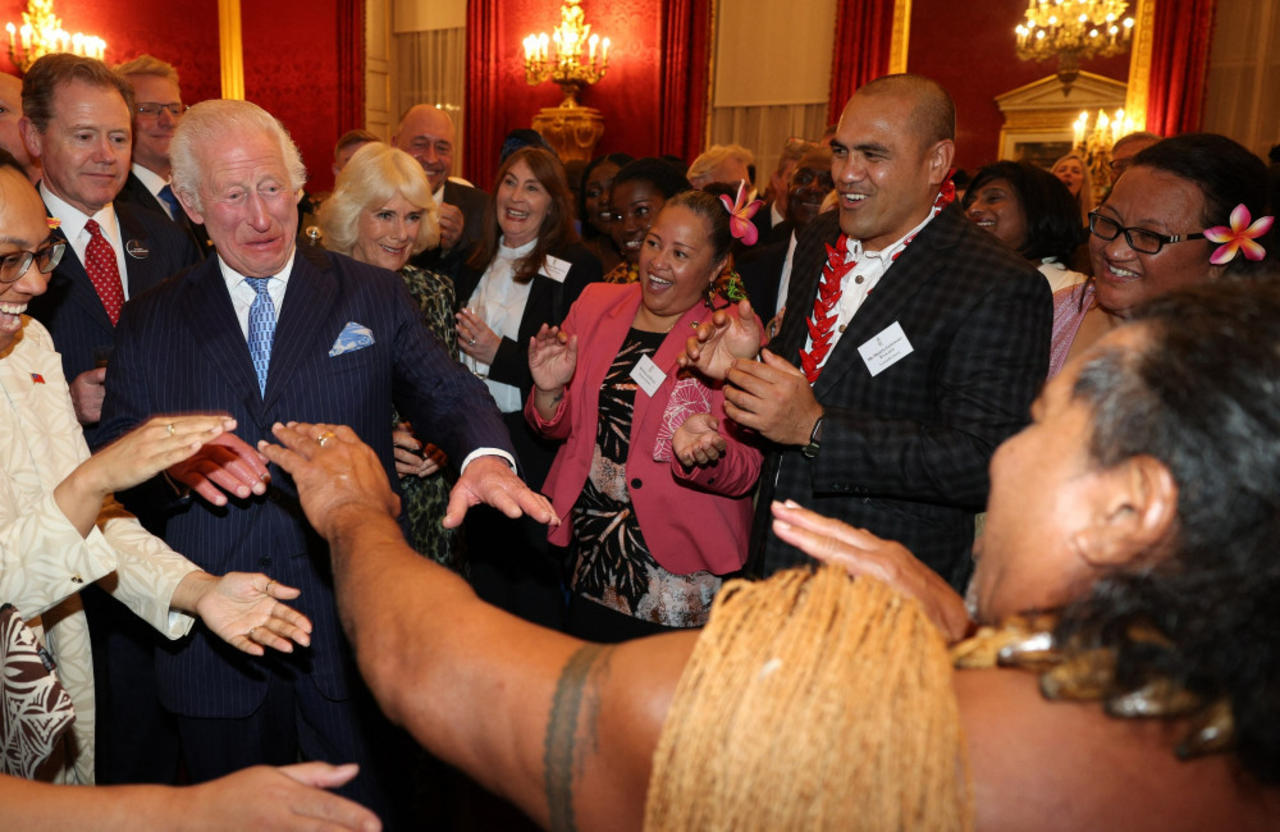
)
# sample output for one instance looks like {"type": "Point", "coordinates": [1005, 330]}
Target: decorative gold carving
{"type": "Point", "coordinates": [572, 130]}
{"type": "Point", "coordinates": [1135, 102]}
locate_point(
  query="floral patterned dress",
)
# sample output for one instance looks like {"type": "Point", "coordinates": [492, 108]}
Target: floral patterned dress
{"type": "Point", "coordinates": [425, 499]}
{"type": "Point", "coordinates": [612, 564]}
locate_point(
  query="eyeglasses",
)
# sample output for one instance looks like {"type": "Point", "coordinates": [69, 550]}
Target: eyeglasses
{"type": "Point", "coordinates": [807, 176]}
{"type": "Point", "coordinates": [15, 264]}
{"type": "Point", "coordinates": [1142, 240]}
{"type": "Point", "coordinates": [151, 109]}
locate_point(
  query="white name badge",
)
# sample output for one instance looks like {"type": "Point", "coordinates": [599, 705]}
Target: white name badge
{"type": "Point", "coordinates": [885, 349]}
{"type": "Point", "coordinates": [647, 374]}
{"type": "Point", "coordinates": [556, 269]}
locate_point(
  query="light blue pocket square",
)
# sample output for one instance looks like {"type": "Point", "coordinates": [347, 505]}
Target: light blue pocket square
{"type": "Point", "coordinates": [353, 337]}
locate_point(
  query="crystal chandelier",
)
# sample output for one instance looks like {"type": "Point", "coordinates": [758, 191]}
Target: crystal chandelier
{"type": "Point", "coordinates": [41, 34]}
{"type": "Point", "coordinates": [565, 64]}
{"type": "Point", "coordinates": [1073, 30]}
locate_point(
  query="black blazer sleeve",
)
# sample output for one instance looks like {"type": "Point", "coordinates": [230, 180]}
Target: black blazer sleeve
{"type": "Point", "coordinates": [548, 303]}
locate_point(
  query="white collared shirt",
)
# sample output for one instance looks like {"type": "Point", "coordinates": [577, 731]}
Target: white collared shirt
{"type": "Point", "coordinates": [784, 280]}
{"type": "Point", "coordinates": [871, 266]}
{"type": "Point", "coordinates": [73, 226]}
{"type": "Point", "coordinates": [242, 292]}
{"type": "Point", "coordinates": [154, 183]}
{"type": "Point", "coordinates": [500, 301]}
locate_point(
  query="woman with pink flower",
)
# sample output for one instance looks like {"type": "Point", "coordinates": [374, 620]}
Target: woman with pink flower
{"type": "Point", "coordinates": [652, 484]}
{"type": "Point", "coordinates": [1190, 210]}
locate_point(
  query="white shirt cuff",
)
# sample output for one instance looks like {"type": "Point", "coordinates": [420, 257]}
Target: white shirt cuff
{"type": "Point", "coordinates": [479, 452]}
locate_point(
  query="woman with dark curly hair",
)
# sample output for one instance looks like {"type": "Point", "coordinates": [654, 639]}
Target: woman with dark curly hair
{"type": "Point", "coordinates": [1031, 211]}
{"type": "Point", "coordinates": [1127, 583]}
{"type": "Point", "coordinates": [639, 191]}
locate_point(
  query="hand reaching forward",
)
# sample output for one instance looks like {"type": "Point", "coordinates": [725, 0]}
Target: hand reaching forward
{"type": "Point", "coordinates": [718, 342]}
{"type": "Point", "coordinates": [152, 447]}
{"type": "Point", "coordinates": [698, 442]}
{"type": "Point", "coordinates": [413, 459]}
{"type": "Point", "coordinates": [284, 798]}
{"type": "Point", "coordinates": [862, 553]}
{"type": "Point", "coordinates": [245, 610]}
{"type": "Point", "coordinates": [490, 480]}
{"type": "Point", "coordinates": [333, 471]}
{"type": "Point", "coordinates": [226, 464]}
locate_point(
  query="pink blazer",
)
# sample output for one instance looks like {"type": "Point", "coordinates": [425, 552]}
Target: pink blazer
{"type": "Point", "coordinates": [692, 520]}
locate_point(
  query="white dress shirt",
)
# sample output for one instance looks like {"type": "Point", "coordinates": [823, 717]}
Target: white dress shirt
{"type": "Point", "coordinates": [500, 301]}
{"type": "Point", "coordinates": [73, 226]}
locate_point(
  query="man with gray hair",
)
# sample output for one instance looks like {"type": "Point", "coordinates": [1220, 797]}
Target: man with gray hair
{"type": "Point", "coordinates": [271, 332]}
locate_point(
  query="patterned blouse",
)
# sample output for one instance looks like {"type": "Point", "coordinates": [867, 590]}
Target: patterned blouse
{"type": "Point", "coordinates": [612, 564]}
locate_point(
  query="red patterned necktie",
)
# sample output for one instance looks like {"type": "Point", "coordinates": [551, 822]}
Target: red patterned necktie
{"type": "Point", "coordinates": [825, 312]}
{"type": "Point", "coordinates": [104, 272]}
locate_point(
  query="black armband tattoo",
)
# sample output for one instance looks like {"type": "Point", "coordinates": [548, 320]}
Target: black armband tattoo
{"type": "Point", "coordinates": [561, 760]}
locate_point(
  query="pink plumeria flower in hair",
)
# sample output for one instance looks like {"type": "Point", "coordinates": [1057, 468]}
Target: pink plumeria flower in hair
{"type": "Point", "coordinates": [740, 214]}
{"type": "Point", "coordinates": [1240, 237]}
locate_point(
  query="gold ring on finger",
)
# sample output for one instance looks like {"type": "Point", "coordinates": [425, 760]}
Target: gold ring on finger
{"type": "Point", "coordinates": [169, 427]}
{"type": "Point", "coordinates": [324, 438]}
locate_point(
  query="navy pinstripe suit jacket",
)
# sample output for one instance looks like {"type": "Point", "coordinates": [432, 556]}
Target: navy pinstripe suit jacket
{"type": "Point", "coordinates": [905, 454]}
{"type": "Point", "coordinates": [70, 308]}
{"type": "Point", "coordinates": [180, 348]}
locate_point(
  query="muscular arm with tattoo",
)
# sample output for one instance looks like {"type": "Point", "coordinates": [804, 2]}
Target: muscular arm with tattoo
{"type": "Point", "coordinates": [562, 728]}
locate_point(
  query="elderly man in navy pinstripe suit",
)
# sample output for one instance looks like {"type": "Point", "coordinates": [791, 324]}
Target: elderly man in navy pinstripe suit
{"type": "Point", "coordinates": [271, 332]}
{"type": "Point", "coordinates": [911, 347]}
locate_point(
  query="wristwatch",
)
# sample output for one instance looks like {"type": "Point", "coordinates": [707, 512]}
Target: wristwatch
{"type": "Point", "coordinates": [815, 440]}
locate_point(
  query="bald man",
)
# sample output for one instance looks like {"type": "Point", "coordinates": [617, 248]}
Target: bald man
{"type": "Point", "coordinates": [912, 345]}
{"type": "Point", "coordinates": [427, 134]}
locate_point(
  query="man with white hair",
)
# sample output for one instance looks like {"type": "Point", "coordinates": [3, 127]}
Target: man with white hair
{"type": "Point", "coordinates": [273, 332]}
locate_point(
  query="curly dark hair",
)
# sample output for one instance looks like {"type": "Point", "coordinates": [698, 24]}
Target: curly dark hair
{"type": "Point", "coordinates": [1202, 397]}
{"type": "Point", "coordinates": [661, 174]}
{"type": "Point", "coordinates": [1050, 212]}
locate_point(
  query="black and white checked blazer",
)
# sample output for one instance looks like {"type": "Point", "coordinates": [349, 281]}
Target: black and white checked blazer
{"type": "Point", "coordinates": [905, 454]}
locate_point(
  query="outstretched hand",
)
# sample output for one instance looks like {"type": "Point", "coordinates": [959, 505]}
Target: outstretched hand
{"type": "Point", "coordinates": [719, 341]}
{"type": "Point", "coordinates": [862, 553]}
{"type": "Point", "coordinates": [245, 610]}
{"type": "Point", "coordinates": [553, 356]}
{"type": "Point", "coordinates": [225, 464]}
{"type": "Point", "coordinates": [284, 798]}
{"type": "Point", "coordinates": [152, 447]}
{"type": "Point", "coordinates": [333, 471]}
{"type": "Point", "coordinates": [489, 480]}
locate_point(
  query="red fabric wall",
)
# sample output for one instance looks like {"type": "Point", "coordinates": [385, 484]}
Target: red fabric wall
{"type": "Point", "coordinates": [969, 49]}
{"type": "Point", "coordinates": [291, 58]}
{"type": "Point", "coordinates": [628, 97]}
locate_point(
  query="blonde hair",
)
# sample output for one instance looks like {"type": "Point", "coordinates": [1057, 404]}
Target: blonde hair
{"type": "Point", "coordinates": [715, 155]}
{"type": "Point", "coordinates": [374, 175]}
{"type": "Point", "coordinates": [1084, 199]}
{"type": "Point", "coordinates": [813, 701]}
{"type": "Point", "coordinates": [148, 65]}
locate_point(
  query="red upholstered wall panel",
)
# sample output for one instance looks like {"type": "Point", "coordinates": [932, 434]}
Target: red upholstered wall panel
{"type": "Point", "coordinates": [185, 34]}
{"type": "Point", "coordinates": [627, 97]}
{"type": "Point", "coordinates": [969, 49]}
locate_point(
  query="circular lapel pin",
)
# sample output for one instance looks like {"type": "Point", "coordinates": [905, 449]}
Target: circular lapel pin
{"type": "Point", "coordinates": [137, 249]}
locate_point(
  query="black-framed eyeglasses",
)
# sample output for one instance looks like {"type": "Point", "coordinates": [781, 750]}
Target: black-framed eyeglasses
{"type": "Point", "coordinates": [1142, 240]}
{"type": "Point", "coordinates": [152, 109]}
{"type": "Point", "coordinates": [15, 264]}
{"type": "Point", "coordinates": [807, 176]}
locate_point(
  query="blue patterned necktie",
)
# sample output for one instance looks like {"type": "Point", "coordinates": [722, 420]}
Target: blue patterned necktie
{"type": "Point", "coordinates": [167, 197]}
{"type": "Point", "coordinates": [262, 328]}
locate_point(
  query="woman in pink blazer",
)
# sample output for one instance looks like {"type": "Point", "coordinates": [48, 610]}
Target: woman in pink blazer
{"type": "Point", "coordinates": [652, 485]}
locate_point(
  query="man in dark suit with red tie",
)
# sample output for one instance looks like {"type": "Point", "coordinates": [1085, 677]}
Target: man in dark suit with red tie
{"type": "Point", "coordinates": [912, 344]}
{"type": "Point", "coordinates": [77, 122]}
{"type": "Point", "coordinates": [271, 332]}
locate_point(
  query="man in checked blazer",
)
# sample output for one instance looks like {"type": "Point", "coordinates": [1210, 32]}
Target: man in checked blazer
{"type": "Point", "coordinates": [346, 343]}
{"type": "Point", "coordinates": [928, 371]}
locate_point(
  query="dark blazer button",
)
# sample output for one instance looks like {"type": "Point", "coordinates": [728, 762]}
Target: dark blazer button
{"type": "Point", "coordinates": [635, 483]}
